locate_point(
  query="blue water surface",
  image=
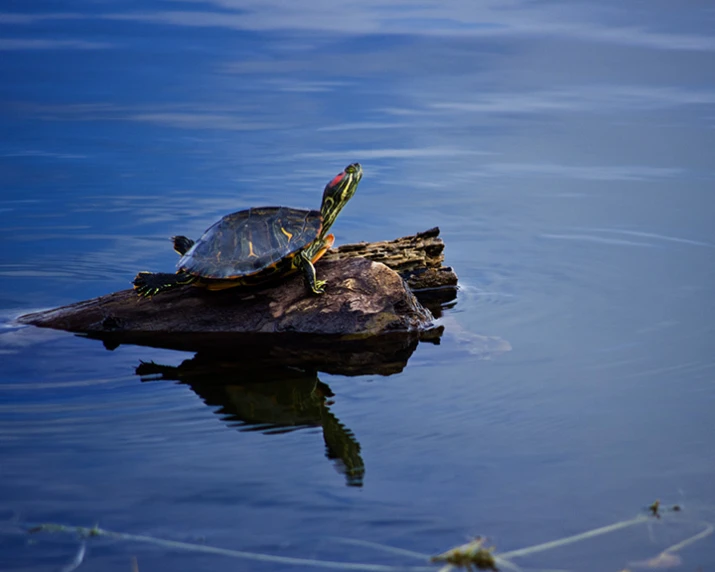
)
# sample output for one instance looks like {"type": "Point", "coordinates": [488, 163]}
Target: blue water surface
{"type": "Point", "coordinates": [564, 149]}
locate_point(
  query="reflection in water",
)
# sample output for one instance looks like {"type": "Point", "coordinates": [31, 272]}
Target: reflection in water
{"type": "Point", "coordinates": [273, 400]}
{"type": "Point", "coordinates": [386, 354]}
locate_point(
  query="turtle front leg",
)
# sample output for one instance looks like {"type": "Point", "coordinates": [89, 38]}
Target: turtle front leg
{"type": "Point", "coordinates": [151, 283]}
{"type": "Point", "coordinates": [316, 286]}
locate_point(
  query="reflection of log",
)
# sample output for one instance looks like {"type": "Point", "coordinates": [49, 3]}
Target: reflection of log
{"type": "Point", "coordinates": [381, 355]}
{"type": "Point", "coordinates": [363, 299]}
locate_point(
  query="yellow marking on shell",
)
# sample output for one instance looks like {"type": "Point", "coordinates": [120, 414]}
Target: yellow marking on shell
{"type": "Point", "coordinates": [288, 234]}
{"type": "Point", "coordinates": [251, 254]}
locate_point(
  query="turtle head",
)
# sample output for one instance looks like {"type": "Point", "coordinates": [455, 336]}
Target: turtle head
{"type": "Point", "coordinates": [338, 192]}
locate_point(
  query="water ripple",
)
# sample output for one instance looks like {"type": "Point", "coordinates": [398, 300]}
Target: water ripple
{"type": "Point", "coordinates": [596, 239]}
{"type": "Point", "coordinates": [651, 235]}
{"type": "Point", "coordinates": [8, 44]}
{"type": "Point", "coordinates": [583, 172]}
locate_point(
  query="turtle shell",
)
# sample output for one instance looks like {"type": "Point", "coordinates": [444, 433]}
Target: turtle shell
{"type": "Point", "coordinates": [248, 242]}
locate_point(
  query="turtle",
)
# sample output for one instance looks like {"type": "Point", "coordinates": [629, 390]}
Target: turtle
{"type": "Point", "coordinates": [257, 245]}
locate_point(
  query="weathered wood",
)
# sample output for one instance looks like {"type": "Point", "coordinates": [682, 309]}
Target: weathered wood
{"type": "Point", "coordinates": [417, 258]}
{"type": "Point", "coordinates": [364, 298]}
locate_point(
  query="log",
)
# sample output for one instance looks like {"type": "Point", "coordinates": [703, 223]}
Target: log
{"type": "Point", "coordinates": [417, 259]}
{"type": "Point", "coordinates": [364, 299]}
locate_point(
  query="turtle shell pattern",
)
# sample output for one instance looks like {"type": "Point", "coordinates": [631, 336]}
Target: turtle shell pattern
{"type": "Point", "coordinates": [249, 242]}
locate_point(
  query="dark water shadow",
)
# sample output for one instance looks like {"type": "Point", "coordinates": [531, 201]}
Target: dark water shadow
{"type": "Point", "coordinates": [437, 300]}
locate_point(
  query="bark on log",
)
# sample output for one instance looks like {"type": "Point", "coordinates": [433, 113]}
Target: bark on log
{"type": "Point", "coordinates": [363, 298]}
{"type": "Point", "coordinates": [417, 259]}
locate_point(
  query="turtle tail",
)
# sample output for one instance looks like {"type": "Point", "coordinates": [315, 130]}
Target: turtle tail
{"type": "Point", "coordinates": [150, 283]}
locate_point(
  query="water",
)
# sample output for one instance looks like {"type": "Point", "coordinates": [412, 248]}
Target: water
{"type": "Point", "coordinates": [566, 152]}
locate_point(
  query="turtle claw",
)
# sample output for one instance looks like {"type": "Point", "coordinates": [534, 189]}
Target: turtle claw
{"type": "Point", "coordinates": [319, 287]}
{"type": "Point", "coordinates": [140, 284]}
{"type": "Point", "coordinates": [145, 292]}
{"type": "Point", "coordinates": [148, 284]}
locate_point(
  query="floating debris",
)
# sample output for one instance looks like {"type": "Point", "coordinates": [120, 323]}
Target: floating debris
{"type": "Point", "coordinates": [471, 555]}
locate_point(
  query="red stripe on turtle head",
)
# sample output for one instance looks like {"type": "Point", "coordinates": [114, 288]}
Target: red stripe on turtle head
{"type": "Point", "coordinates": [339, 177]}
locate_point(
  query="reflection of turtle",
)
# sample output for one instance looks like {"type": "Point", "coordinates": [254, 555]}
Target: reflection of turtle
{"type": "Point", "coordinates": [270, 399]}
{"type": "Point", "coordinates": [259, 244]}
